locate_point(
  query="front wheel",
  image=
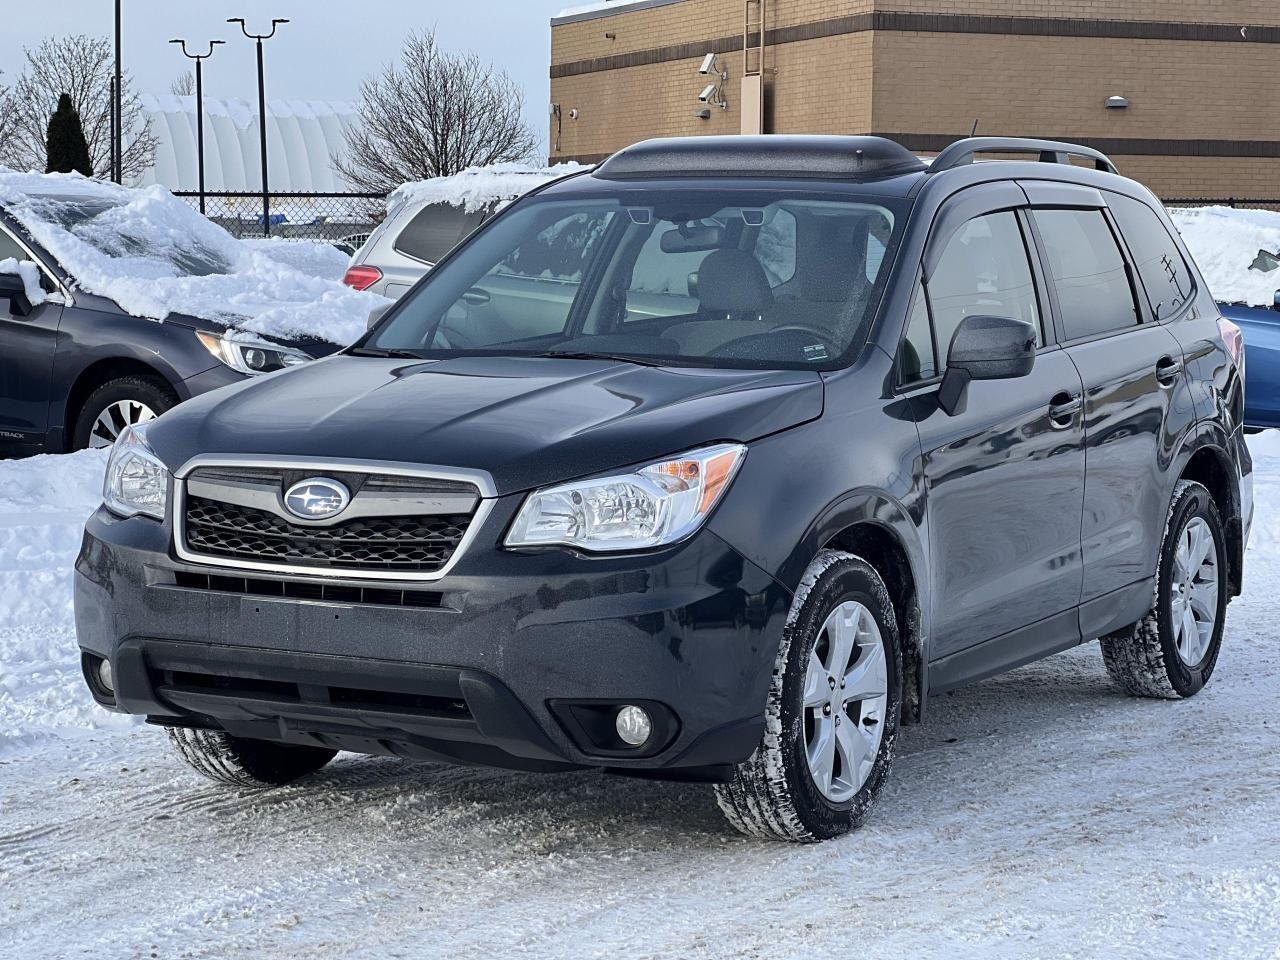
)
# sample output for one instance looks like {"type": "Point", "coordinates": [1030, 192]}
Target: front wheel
{"type": "Point", "coordinates": [123, 402]}
{"type": "Point", "coordinates": [1171, 652]}
{"type": "Point", "coordinates": [831, 721]}
{"type": "Point", "coordinates": [246, 763]}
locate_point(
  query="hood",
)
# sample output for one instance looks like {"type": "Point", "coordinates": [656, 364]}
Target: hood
{"type": "Point", "coordinates": [527, 421]}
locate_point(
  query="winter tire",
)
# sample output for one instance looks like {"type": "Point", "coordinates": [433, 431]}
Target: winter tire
{"type": "Point", "coordinates": [831, 721]}
{"type": "Point", "coordinates": [120, 403]}
{"type": "Point", "coordinates": [1171, 652]}
{"type": "Point", "coordinates": [246, 763]}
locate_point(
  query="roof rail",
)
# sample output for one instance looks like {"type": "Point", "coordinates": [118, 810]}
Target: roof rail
{"type": "Point", "coordinates": [1050, 151]}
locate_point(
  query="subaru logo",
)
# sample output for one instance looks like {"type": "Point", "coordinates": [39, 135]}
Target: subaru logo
{"type": "Point", "coordinates": [317, 498]}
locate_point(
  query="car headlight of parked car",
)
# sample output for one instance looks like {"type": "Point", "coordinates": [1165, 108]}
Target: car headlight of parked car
{"type": "Point", "coordinates": [650, 507]}
{"type": "Point", "coordinates": [137, 482]}
{"type": "Point", "coordinates": [249, 354]}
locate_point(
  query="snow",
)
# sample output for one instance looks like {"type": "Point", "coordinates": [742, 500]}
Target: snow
{"type": "Point", "coordinates": [479, 187]}
{"type": "Point", "coordinates": [1038, 814]}
{"type": "Point", "coordinates": [30, 275]}
{"type": "Point", "coordinates": [1224, 242]}
{"type": "Point", "coordinates": [155, 255]}
{"type": "Point", "coordinates": [599, 6]}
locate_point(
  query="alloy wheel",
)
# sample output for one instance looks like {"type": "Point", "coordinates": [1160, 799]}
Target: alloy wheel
{"type": "Point", "coordinates": [112, 420]}
{"type": "Point", "coordinates": [1193, 597]}
{"type": "Point", "coordinates": [846, 689]}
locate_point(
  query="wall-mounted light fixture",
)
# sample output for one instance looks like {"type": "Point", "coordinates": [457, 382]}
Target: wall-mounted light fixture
{"type": "Point", "coordinates": [1117, 103]}
{"type": "Point", "coordinates": [702, 115]}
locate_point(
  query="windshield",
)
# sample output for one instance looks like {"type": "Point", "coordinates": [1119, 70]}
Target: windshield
{"type": "Point", "coordinates": [705, 277]}
{"type": "Point", "coordinates": [113, 228]}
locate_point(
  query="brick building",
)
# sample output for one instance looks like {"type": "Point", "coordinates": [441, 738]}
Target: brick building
{"type": "Point", "coordinates": [1184, 94]}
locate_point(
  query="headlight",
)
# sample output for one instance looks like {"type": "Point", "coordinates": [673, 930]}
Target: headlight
{"type": "Point", "coordinates": [137, 481]}
{"type": "Point", "coordinates": [651, 507]}
{"type": "Point", "coordinates": [250, 355]}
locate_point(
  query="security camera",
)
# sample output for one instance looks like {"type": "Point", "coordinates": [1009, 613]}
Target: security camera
{"type": "Point", "coordinates": [708, 93]}
{"type": "Point", "coordinates": [708, 64]}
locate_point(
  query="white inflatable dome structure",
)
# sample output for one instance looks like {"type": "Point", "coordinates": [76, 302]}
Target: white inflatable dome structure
{"type": "Point", "coordinates": [302, 136]}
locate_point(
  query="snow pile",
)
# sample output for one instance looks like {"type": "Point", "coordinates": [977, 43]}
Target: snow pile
{"type": "Point", "coordinates": [476, 188]}
{"type": "Point", "coordinates": [30, 275]}
{"type": "Point", "coordinates": [44, 502]}
{"type": "Point", "coordinates": [155, 255]}
{"type": "Point", "coordinates": [1224, 242]}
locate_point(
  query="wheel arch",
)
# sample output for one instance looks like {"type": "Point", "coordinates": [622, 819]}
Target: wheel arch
{"type": "Point", "coordinates": [1203, 459]}
{"type": "Point", "coordinates": [879, 529]}
{"type": "Point", "coordinates": [103, 371]}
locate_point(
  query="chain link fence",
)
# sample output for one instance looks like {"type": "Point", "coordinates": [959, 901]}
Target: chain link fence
{"type": "Point", "coordinates": [345, 219]}
{"type": "Point", "coordinates": [1240, 203]}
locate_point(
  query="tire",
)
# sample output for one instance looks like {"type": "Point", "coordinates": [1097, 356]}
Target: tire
{"type": "Point", "coordinates": [775, 793]}
{"type": "Point", "coordinates": [1160, 655]}
{"type": "Point", "coordinates": [258, 764]}
{"type": "Point", "coordinates": [139, 398]}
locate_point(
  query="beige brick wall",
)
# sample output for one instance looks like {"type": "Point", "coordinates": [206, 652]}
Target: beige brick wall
{"type": "Point", "coordinates": [938, 83]}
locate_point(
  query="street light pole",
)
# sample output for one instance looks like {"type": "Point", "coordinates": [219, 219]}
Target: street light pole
{"type": "Point", "coordinates": [117, 114]}
{"type": "Point", "coordinates": [199, 58]}
{"type": "Point", "coordinates": [262, 114]}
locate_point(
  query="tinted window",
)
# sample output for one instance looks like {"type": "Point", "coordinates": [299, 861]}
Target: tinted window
{"type": "Point", "coordinates": [917, 360]}
{"type": "Point", "coordinates": [435, 230]}
{"type": "Point", "coordinates": [9, 248]}
{"type": "Point", "coordinates": [1164, 273]}
{"type": "Point", "coordinates": [1088, 272]}
{"type": "Point", "coordinates": [983, 271]}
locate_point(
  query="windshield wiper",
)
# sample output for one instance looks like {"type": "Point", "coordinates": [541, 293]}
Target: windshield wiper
{"type": "Point", "coordinates": [385, 354]}
{"type": "Point", "coordinates": [588, 355]}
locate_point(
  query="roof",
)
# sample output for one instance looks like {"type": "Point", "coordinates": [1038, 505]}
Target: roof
{"type": "Point", "coordinates": [604, 8]}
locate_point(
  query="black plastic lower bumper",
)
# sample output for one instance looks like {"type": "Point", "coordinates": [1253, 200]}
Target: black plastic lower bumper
{"type": "Point", "coordinates": [504, 670]}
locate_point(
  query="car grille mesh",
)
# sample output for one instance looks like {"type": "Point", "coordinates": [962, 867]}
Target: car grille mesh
{"type": "Point", "coordinates": [423, 543]}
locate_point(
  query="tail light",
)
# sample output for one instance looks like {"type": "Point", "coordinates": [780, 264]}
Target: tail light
{"type": "Point", "coordinates": [1233, 337]}
{"type": "Point", "coordinates": [362, 278]}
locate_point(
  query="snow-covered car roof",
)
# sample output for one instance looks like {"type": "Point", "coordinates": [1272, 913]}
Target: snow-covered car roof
{"type": "Point", "coordinates": [479, 188]}
{"type": "Point", "coordinates": [155, 255]}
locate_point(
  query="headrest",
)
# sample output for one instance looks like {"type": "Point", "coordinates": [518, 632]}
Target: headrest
{"type": "Point", "coordinates": [731, 281]}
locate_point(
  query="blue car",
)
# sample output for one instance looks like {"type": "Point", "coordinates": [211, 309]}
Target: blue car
{"type": "Point", "coordinates": [1261, 328]}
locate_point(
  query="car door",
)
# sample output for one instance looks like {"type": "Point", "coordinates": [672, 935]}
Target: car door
{"type": "Point", "coordinates": [1005, 474]}
{"type": "Point", "coordinates": [1135, 393]}
{"type": "Point", "coordinates": [27, 343]}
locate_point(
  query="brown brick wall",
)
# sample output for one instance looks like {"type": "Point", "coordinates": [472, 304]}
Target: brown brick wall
{"type": "Point", "coordinates": [890, 80]}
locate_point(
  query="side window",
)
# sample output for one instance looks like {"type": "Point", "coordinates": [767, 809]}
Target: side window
{"type": "Point", "coordinates": [1088, 272]}
{"type": "Point", "coordinates": [984, 270]}
{"type": "Point", "coordinates": [917, 358]}
{"type": "Point", "coordinates": [435, 230]}
{"type": "Point", "coordinates": [1165, 275]}
{"type": "Point", "coordinates": [776, 247]}
{"type": "Point", "coordinates": [661, 283]}
{"type": "Point", "coordinates": [9, 248]}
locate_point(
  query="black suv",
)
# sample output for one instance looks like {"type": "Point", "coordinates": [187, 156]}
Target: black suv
{"type": "Point", "coordinates": [714, 463]}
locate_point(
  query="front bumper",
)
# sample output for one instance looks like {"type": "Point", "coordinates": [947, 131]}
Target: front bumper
{"type": "Point", "coordinates": [507, 661]}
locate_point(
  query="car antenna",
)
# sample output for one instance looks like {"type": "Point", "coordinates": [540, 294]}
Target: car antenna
{"type": "Point", "coordinates": [974, 131]}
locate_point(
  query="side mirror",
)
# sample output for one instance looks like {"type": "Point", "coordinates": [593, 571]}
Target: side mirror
{"type": "Point", "coordinates": [693, 285]}
{"type": "Point", "coordinates": [1275, 301]}
{"type": "Point", "coordinates": [15, 291]}
{"type": "Point", "coordinates": [376, 314]}
{"type": "Point", "coordinates": [985, 348]}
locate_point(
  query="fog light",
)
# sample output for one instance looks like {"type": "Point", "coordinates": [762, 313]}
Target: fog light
{"type": "Point", "coordinates": [104, 676]}
{"type": "Point", "coordinates": [633, 725]}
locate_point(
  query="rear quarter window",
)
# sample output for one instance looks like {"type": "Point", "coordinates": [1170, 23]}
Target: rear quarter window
{"type": "Point", "coordinates": [1165, 276]}
{"type": "Point", "coordinates": [435, 230]}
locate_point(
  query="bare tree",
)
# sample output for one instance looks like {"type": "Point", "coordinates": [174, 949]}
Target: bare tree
{"type": "Point", "coordinates": [80, 66]}
{"type": "Point", "coordinates": [183, 85]}
{"type": "Point", "coordinates": [6, 113]}
{"type": "Point", "coordinates": [433, 114]}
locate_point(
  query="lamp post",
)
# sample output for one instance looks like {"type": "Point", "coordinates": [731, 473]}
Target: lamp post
{"type": "Point", "coordinates": [199, 58]}
{"type": "Point", "coordinates": [117, 117]}
{"type": "Point", "coordinates": [262, 113]}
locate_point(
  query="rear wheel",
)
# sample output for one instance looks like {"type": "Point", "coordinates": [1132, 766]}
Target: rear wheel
{"type": "Point", "coordinates": [1171, 652]}
{"type": "Point", "coordinates": [123, 402]}
{"type": "Point", "coordinates": [246, 763]}
{"type": "Point", "coordinates": [831, 722]}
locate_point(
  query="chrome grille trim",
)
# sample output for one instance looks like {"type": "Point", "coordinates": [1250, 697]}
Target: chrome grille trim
{"type": "Point", "coordinates": [378, 499]}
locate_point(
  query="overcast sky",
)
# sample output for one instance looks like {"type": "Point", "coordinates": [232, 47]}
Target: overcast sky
{"type": "Point", "coordinates": [323, 53]}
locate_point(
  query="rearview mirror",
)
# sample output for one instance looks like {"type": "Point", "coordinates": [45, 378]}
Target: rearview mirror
{"type": "Point", "coordinates": [376, 314]}
{"type": "Point", "coordinates": [15, 291]}
{"type": "Point", "coordinates": [985, 348]}
{"type": "Point", "coordinates": [689, 239]}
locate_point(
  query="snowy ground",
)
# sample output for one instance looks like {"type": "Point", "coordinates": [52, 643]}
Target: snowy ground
{"type": "Point", "coordinates": [1041, 814]}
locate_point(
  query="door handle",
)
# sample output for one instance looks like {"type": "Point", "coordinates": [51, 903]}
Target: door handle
{"type": "Point", "coordinates": [1064, 407]}
{"type": "Point", "coordinates": [1167, 370]}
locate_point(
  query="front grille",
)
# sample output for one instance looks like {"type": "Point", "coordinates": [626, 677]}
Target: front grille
{"type": "Point", "coordinates": [412, 543]}
{"type": "Point", "coordinates": [309, 590]}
